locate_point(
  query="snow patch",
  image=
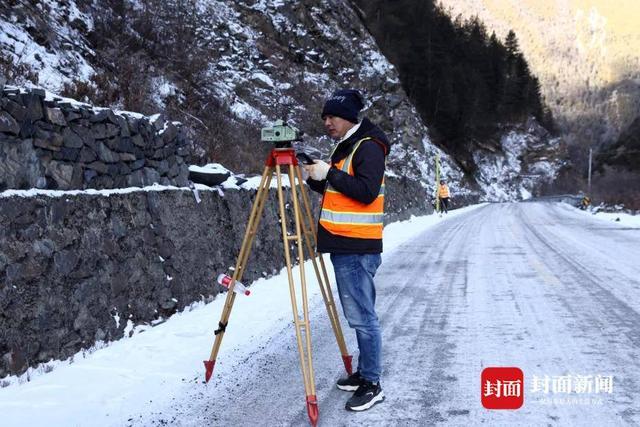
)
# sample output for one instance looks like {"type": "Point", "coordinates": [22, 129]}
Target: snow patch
{"type": "Point", "coordinates": [263, 78]}
{"type": "Point", "coordinates": [216, 168]}
{"type": "Point", "coordinates": [245, 111]}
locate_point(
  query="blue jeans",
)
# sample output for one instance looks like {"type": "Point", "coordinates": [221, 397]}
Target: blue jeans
{"type": "Point", "coordinates": [354, 276]}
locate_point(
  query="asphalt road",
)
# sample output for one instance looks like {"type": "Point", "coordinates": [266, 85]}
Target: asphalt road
{"type": "Point", "coordinates": [537, 286]}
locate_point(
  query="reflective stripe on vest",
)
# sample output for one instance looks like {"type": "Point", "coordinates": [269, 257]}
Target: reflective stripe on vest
{"type": "Point", "coordinates": [348, 217]}
{"type": "Point", "coordinates": [351, 217]}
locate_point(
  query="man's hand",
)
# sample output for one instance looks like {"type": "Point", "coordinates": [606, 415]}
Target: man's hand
{"type": "Point", "coordinates": [304, 172]}
{"type": "Point", "coordinates": [318, 171]}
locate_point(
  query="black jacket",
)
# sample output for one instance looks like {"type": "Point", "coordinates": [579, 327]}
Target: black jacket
{"type": "Point", "coordinates": [368, 168]}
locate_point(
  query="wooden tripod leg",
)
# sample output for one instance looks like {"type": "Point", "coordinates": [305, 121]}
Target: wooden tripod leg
{"type": "Point", "coordinates": [245, 249]}
{"type": "Point", "coordinates": [301, 325]}
{"type": "Point", "coordinates": [251, 232]}
{"type": "Point", "coordinates": [321, 274]}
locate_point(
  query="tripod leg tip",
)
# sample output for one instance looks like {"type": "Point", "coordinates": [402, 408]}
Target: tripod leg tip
{"type": "Point", "coordinates": [312, 409]}
{"type": "Point", "coordinates": [208, 369]}
{"type": "Point", "coordinates": [347, 363]}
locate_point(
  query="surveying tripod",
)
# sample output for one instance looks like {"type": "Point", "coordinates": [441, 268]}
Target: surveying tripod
{"type": "Point", "coordinates": [304, 230]}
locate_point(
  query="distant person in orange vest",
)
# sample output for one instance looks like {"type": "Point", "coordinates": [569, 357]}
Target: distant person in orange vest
{"type": "Point", "coordinates": [443, 195]}
{"type": "Point", "coordinates": [350, 229]}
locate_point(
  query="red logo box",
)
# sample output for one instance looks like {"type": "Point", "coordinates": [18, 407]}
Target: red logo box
{"type": "Point", "coordinates": [502, 388]}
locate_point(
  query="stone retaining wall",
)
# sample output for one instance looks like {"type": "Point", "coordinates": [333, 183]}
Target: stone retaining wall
{"type": "Point", "coordinates": [55, 143]}
{"type": "Point", "coordinates": [74, 269]}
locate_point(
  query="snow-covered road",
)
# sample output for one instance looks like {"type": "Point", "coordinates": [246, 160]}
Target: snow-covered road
{"type": "Point", "coordinates": [538, 286]}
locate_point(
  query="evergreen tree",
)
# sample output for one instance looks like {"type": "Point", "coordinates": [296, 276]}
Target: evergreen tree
{"type": "Point", "coordinates": [511, 44]}
{"type": "Point", "coordinates": [461, 80]}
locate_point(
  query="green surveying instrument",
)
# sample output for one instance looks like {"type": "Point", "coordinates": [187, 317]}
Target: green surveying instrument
{"type": "Point", "coordinates": [284, 155]}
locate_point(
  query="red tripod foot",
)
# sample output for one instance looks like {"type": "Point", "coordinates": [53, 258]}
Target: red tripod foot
{"type": "Point", "coordinates": [347, 363]}
{"type": "Point", "coordinates": [312, 409]}
{"type": "Point", "coordinates": [208, 369]}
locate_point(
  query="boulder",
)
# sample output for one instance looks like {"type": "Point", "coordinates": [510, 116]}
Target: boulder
{"type": "Point", "coordinates": [16, 110]}
{"type": "Point", "coordinates": [71, 139]}
{"type": "Point", "coordinates": [212, 174]}
{"type": "Point", "coordinates": [8, 124]}
{"type": "Point", "coordinates": [107, 155]}
{"type": "Point", "coordinates": [33, 105]}
{"type": "Point", "coordinates": [55, 116]}
{"type": "Point", "coordinates": [62, 173]}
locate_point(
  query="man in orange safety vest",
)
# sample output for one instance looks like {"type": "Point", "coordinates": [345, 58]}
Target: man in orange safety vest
{"type": "Point", "coordinates": [444, 196]}
{"type": "Point", "coordinates": [350, 230]}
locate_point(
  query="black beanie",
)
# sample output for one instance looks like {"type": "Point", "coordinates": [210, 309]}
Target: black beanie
{"type": "Point", "coordinates": [345, 103]}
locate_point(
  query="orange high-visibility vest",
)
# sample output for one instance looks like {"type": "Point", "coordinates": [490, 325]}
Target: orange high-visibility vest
{"type": "Point", "coordinates": [443, 191]}
{"type": "Point", "coordinates": [348, 217]}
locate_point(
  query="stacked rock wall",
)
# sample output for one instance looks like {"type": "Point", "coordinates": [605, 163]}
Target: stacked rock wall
{"type": "Point", "coordinates": [76, 269]}
{"type": "Point", "coordinates": [53, 143]}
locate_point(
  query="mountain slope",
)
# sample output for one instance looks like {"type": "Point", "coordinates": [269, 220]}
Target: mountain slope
{"type": "Point", "coordinates": [224, 69]}
{"type": "Point", "coordinates": [586, 53]}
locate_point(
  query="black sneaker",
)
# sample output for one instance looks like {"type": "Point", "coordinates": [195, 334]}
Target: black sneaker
{"type": "Point", "coordinates": [367, 395]}
{"type": "Point", "coordinates": [351, 383]}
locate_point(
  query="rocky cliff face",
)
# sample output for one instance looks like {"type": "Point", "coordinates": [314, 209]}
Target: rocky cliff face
{"type": "Point", "coordinates": [248, 63]}
{"type": "Point", "coordinates": [224, 69]}
{"type": "Point", "coordinates": [517, 160]}
{"type": "Point", "coordinates": [625, 153]}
